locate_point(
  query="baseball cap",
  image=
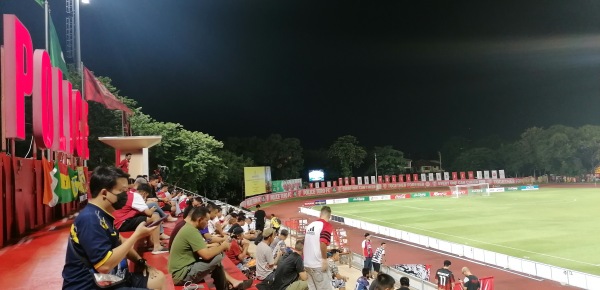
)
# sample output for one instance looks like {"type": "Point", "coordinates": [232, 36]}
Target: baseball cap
{"type": "Point", "coordinates": [268, 232]}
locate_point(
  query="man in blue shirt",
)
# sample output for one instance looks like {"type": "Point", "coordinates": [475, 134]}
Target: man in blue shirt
{"type": "Point", "coordinates": [95, 246]}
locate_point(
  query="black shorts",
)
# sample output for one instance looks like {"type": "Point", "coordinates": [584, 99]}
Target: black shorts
{"type": "Point", "coordinates": [131, 224]}
{"type": "Point", "coordinates": [376, 267]}
{"type": "Point", "coordinates": [135, 281]}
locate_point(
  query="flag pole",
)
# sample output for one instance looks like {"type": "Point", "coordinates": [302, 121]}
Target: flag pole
{"type": "Point", "coordinates": [46, 18]}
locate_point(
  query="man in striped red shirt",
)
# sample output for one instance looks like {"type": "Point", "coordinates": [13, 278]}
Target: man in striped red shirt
{"type": "Point", "coordinates": [317, 238]}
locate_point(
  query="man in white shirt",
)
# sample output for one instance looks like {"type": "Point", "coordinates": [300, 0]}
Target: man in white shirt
{"type": "Point", "coordinates": [317, 238]}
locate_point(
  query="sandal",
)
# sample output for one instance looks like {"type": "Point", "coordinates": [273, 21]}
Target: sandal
{"type": "Point", "coordinates": [242, 286]}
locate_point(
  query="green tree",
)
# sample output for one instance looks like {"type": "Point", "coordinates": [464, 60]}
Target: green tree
{"type": "Point", "coordinates": [389, 161]}
{"type": "Point", "coordinates": [452, 148]}
{"type": "Point", "coordinates": [225, 179]}
{"type": "Point", "coordinates": [188, 154]}
{"type": "Point", "coordinates": [283, 155]}
{"type": "Point", "coordinates": [589, 147]}
{"type": "Point", "coordinates": [348, 153]}
{"type": "Point", "coordinates": [476, 159]}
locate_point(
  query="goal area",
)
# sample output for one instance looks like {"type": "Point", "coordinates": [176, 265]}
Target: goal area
{"type": "Point", "coordinates": [479, 189]}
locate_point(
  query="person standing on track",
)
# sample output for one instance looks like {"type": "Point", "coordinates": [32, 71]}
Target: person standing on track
{"type": "Point", "coordinates": [444, 277]}
{"type": "Point", "coordinates": [316, 241]}
{"type": "Point", "coordinates": [471, 282]}
{"type": "Point", "coordinates": [368, 253]}
{"type": "Point", "coordinates": [259, 216]}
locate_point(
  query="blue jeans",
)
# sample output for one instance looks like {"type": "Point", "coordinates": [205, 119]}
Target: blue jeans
{"type": "Point", "coordinates": [369, 263]}
{"type": "Point", "coordinates": [158, 211]}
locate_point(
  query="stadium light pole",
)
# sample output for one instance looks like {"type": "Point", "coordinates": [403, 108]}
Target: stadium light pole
{"type": "Point", "coordinates": [78, 35]}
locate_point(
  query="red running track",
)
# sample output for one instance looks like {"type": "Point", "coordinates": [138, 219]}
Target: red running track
{"type": "Point", "coordinates": [411, 254]}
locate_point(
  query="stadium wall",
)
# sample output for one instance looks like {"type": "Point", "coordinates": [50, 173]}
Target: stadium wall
{"type": "Point", "coordinates": [254, 200]}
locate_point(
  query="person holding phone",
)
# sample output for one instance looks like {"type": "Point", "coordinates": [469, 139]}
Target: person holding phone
{"type": "Point", "coordinates": [94, 244]}
{"type": "Point", "coordinates": [191, 260]}
{"type": "Point", "coordinates": [134, 212]}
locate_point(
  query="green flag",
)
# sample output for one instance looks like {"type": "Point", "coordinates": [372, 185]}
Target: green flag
{"type": "Point", "coordinates": [55, 51]}
{"type": "Point", "coordinates": [63, 187]}
{"type": "Point", "coordinates": [56, 54]}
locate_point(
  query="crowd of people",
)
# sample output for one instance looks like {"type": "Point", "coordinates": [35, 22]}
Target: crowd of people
{"type": "Point", "coordinates": [97, 254]}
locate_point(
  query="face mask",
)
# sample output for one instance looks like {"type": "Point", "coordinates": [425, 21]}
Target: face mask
{"type": "Point", "coordinates": [121, 200]}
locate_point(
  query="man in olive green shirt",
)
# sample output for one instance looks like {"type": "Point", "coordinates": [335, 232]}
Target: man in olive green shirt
{"type": "Point", "coordinates": [189, 244]}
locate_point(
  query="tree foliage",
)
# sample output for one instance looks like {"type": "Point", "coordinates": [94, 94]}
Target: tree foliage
{"type": "Point", "coordinates": [559, 150]}
{"type": "Point", "coordinates": [283, 155]}
{"type": "Point", "coordinates": [389, 161]}
{"type": "Point", "coordinates": [187, 154]}
{"type": "Point", "coordinates": [348, 153]}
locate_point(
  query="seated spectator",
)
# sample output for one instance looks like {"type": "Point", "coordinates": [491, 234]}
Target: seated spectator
{"type": "Point", "coordinates": [164, 198]}
{"type": "Point", "coordinates": [144, 190]}
{"type": "Point", "coordinates": [338, 281]}
{"type": "Point", "coordinates": [404, 284]}
{"type": "Point", "coordinates": [214, 225]}
{"type": "Point", "coordinates": [230, 221]}
{"type": "Point", "coordinates": [179, 225]}
{"type": "Point", "coordinates": [208, 237]}
{"type": "Point", "coordinates": [290, 274]}
{"type": "Point", "coordinates": [265, 262]}
{"type": "Point", "coordinates": [362, 283]}
{"type": "Point", "coordinates": [95, 246]}
{"type": "Point", "coordinates": [238, 252]}
{"type": "Point", "coordinates": [133, 213]}
{"type": "Point", "coordinates": [383, 282]}
{"type": "Point", "coordinates": [278, 243]}
{"type": "Point", "coordinates": [190, 260]}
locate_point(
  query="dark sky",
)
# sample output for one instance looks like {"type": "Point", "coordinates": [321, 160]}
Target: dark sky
{"type": "Point", "coordinates": [403, 73]}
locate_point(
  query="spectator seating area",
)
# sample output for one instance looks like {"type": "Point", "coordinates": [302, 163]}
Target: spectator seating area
{"type": "Point", "coordinates": [37, 260]}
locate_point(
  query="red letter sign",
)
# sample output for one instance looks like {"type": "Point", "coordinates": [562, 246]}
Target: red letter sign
{"type": "Point", "coordinates": [43, 120]}
{"type": "Point", "coordinates": [18, 76]}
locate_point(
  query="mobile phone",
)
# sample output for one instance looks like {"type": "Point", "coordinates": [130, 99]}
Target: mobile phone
{"type": "Point", "coordinates": [157, 222]}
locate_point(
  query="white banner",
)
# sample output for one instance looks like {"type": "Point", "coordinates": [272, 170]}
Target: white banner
{"type": "Point", "coordinates": [317, 185]}
{"type": "Point", "coordinates": [501, 173]}
{"type": "Point", "coordinates": [486, 174]}
{"type": "Point", "coordinates": [366, 180]}
{"type": "Point", "coordinates": [479, 175]}
{"type": "Point", "coordinates": [446, 175]}
{"type": "Point", "coordinates": [430, 176]}
{"type": "Point", "coordinates": [496, 189]}
{"type": "Point", "coordinates": [438, 176]}
{"type": "Point", "coordinates": [494, 174]}
{"type": "Point", "coordinates": [423, 177]}
{"type": "Point", "coordinates": [359, 180]}
{"type": "Point", "coordinates": [373, 180]}
{"type": "Point", "coordinates": [328, 183]}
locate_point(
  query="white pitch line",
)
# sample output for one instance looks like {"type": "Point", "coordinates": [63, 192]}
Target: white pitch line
{"type": "Point", "coordinates": [459, 257]}
{"type": "Point", "coordinates": [473, 240]}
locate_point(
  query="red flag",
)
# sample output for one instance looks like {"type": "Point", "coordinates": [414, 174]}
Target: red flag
{"type": "Point", "coordinates": [95, 91]}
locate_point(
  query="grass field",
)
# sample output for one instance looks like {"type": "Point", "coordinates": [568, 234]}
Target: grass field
{"type": "Point", "coordinates": [556, 226]}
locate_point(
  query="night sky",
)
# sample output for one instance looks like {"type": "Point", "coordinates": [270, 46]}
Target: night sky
{"type": "Point", "coordinates": [407, 74]}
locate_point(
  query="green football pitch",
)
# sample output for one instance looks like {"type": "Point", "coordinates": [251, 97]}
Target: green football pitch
{"type": "Point", "coordinates": [556, 226]}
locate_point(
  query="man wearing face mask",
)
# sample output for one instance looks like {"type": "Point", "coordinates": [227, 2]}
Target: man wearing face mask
{"type": "Point", "coordinates": [95, 246]}
{"type": "Point", "coordinates": [131, 210]}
